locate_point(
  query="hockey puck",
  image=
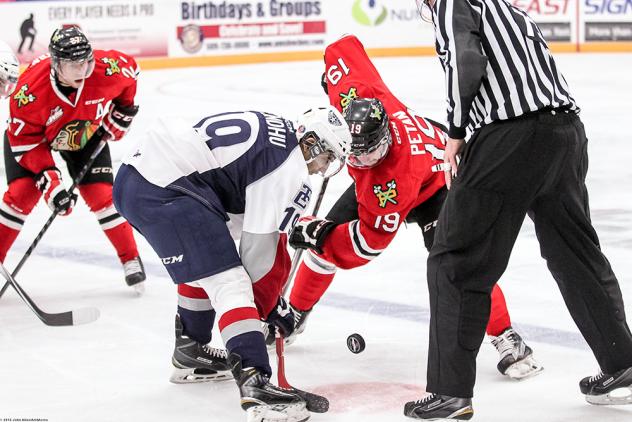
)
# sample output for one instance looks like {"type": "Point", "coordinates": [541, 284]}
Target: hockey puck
{"type": "Point", "coordinates": [356, 343]}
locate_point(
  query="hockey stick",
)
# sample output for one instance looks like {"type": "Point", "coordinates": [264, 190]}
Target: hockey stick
{"type": "Point", "coordinates": [98, 135]}
{"type": "Point", "coordinates": [314, 402]}
{"type": "Point", "coordinates": [296, 258]}
{"type": "Point", "coordinates": [76, 317]}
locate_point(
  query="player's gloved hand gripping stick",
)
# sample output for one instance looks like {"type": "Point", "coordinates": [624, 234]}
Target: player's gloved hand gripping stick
{"type": "Point", "coordinates": [71, 317]}
{"type": "Point", "coordinates": [315, 403]}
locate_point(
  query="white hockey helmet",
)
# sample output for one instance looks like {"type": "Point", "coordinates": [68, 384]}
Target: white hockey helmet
{"type": "Point", "coordinates": [9, 71]}
{"type": "Point", "coordinates": [323, 133]}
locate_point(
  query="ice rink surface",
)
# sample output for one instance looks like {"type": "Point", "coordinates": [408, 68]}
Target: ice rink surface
{"type": "Point", "coordinates": [117, 368]}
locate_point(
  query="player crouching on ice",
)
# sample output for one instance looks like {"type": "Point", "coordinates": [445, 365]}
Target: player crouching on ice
{"type": "Point", "coordinates": [396, 162]}
{"type": "Point", "coordinates": [60, 101]}
{"type": "Point", "coordinates": [191, 190]}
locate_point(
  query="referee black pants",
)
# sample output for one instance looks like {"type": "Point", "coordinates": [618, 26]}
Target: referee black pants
{"type": "Point", "coordinates": [535, 165]}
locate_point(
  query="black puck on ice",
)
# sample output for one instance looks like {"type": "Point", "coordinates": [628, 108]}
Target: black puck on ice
{"type": "Point", "coordinates": [355, 343]}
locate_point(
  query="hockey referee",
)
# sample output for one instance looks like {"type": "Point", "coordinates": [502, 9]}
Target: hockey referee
{"type": "Point", "coordinates": [526, 155]}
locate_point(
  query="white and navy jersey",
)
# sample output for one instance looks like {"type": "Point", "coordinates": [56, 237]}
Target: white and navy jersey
{"type": "Point", "coordinates": [246, 165]}
{"type": "Point", "coordinates": [251, 160]}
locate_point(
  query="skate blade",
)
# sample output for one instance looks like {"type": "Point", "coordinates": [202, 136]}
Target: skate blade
{"type": "Point", "coordinates": [615, 397]}
{"type": "Point", "coordinates": [139, 288]}
{"type": "Point", "coordinates": [278, 413]}
{"type": "Point", "coordinates": [524, 369]}
{"type": "Point", "coordinates": [192, 375]}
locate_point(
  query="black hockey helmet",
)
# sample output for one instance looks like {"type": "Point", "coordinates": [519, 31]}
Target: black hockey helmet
{"type": "Point", "coordinates": [370, 135]}
{"type": "Point", "coordinates": [70, 44]}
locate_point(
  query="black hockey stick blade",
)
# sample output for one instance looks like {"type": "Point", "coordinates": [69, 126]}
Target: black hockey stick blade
{"type": "Point", "coordinates": [314, 402]}
{"type": "Point", "coordinates": [75, 317]}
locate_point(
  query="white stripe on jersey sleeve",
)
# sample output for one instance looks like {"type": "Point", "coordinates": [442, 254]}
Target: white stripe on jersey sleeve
{"type": "Point", "coordinates": [360, 245]}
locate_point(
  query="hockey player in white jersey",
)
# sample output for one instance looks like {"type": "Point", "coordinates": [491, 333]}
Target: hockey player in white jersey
{"type": "Point", "coordinates": [191, 189]}
{"type": "Point", "coordinates": [9, 70]}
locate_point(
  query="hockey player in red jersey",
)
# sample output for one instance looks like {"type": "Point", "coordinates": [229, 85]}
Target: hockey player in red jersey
{"type": "Point", "coordinates": [60, 101]}
{"type": "Point", "coordinates": [396, 162]}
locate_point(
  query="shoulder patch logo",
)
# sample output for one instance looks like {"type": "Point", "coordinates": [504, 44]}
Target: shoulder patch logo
{"type": "Point", "coordinates": [114, 66]}
{"type": "Point", "coordinates": [23, 97]}
{"type": "Point", "coordinates": [346, 98]}
{"type": "Point", "coordinates": [384, 196]}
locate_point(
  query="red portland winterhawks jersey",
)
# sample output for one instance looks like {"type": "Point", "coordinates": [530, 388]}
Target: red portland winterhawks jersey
{"type": "Point", "coordinates": [42, 118]}
{"type": "Point", "coordinates": [408, 176]}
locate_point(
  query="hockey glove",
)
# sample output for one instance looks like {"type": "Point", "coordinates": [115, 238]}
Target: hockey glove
{"type": "Point", "coordinates": [48, 181]}
{"type": "Point", "coordinates": [282, 317]}
{"type": "Point", "coordinates": [323, 83]}
{"type": "Point", "coordinates": [117, 122]}
{"type": "Point", "coordinates": [310, 233]}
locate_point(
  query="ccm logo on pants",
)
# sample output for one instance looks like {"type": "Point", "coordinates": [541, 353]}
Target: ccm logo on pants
{"type": "Point", "coordinates": [172, 259]}
{"type": "Point", "coordinates": [97, 170]}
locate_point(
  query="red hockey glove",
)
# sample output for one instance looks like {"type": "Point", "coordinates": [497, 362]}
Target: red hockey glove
{"type": "Point", "coordinates": [117, 122]}
{"type": "Point", "coordinates": [282, 317]}
{"type": "Point", "coordinates": [48, 181]}
{"type": "Point", "coordinates": [310, 233]}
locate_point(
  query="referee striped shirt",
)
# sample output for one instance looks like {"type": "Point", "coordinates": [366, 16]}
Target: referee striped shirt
{"type": "Point", "coordinates": [497, 64]}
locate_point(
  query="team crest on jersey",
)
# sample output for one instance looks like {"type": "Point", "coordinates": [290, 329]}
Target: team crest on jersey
{"type": "Point", "coordinates": [114, 66]}
{"type": "Point", "coordinates": [23, 97]}
{"type": "Point", "coordinates": [74, 135]}
{"type": "Point", "coordinates": [348, 97]}
{"type": "Point", "coordinates": [384, 196]}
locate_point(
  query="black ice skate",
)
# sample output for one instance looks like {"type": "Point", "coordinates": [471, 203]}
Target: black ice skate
{"type": "Point", "coordinates": [435, 407]}
{"type": "Point", "coordinates": [135, 274]}
{"type": "Point", "coordinates": [516, 358]}
{"type": "Point", "coordinates": [263, 401]}
{"type": "Point", "coordinates": [195, 362]}
{"type": "Point", "coordinates": [608, 388]}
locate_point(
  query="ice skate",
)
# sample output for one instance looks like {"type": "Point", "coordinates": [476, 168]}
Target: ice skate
{"type": "Point", "coordinates": [608, 389]}
{"type": "Point", "coordinates": [435, 407]}
{"type": "Point", "coordinates": [263, 401]}
{"type": "Point", "coordinates": [516, 358]}
{"type": "Point", "coordinates": [135, 274]}
{"type": "Point", "coordinates": [195, 362]}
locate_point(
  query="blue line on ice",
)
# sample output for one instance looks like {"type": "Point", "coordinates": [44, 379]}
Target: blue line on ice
{"type": "Point", "coordinates": [341, 301]}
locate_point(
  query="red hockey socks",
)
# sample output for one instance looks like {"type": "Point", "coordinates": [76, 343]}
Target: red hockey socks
{"type": "Point", "coordinates": [313, 278]}
{"type": "Point", "coordinates": [17, 203]}
{"type": "Point", "coordinates": [499, 319]}
{"type": "Point", "coordinates": [98, 196]}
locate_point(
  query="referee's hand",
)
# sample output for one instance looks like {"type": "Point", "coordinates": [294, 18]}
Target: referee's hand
{"type": "Point", "coordinates": [451, 157]}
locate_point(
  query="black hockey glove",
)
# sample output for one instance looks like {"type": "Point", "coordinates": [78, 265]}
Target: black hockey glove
{"type": "Point", "coordinates": [323, 83]}
{"type": "Point", "coordinates": [282, 317]}
{"type": "Point", "coordinates": [117, 122]}
{"type": "Point", "coordinates": [310, 233]}
{"type": "Point", "coordinates": [49, 182]}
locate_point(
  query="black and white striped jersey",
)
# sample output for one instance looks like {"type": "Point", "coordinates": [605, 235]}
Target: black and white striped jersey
{"type": "Point", "coordinates": [497, 64]}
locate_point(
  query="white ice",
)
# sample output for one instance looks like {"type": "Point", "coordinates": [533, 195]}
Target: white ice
{"type": "Point", "coordinates": [117, 368]}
